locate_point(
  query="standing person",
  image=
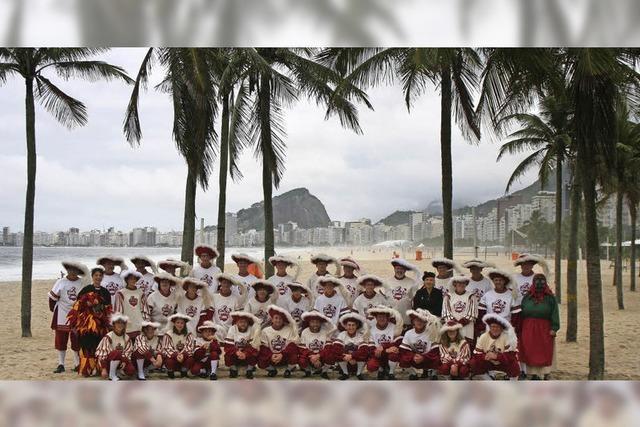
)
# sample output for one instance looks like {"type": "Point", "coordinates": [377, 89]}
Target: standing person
{"type": "Point", "coordinates": [349, 279]}
{"type": "Point", "coordinates": [321, 261]}
{"type": "Point", "coordinates": [259, 304]}
{"type": "Point", "coordinates": [111, 280]}
{"type": "Point", "coordinates": [280, 278]}
{"type": "Point", "coordinates": [244, 276]}
{"type": "Point", "coordinates": [171, 266]}
{"type": "Point", "coordinates": [523, 279]}
{"type": "Point", "coordinates": [223, 303]}
{"type": "Point", "coordinates": [162, 303]}
{"type": "Point", "coordinates": [132, 302]}
{"type": "Point", "coordinates": [444, 269]}
{"type": "Point", "coordinates": [428, 297]}
{"type": "Point", "coordinates": [418, 349]}
{"type": "Point", "coordinates": [402, 288]}
{"type": "Point", "coordinates": [146, 282]}
{"type": "Point", "coordinates": [193, 301]}
{"type": "Point", "coordinates": [206, 271]}
{"type": "Point", "coordinates": [352, 346]}
{"type": "Point", "coordinates": [177, 345]}
{"type": "Point", "coordinates": [314, 348]}
{"type": "Point", "coordinates": [330, 302]}
{"type": "Point", "coordinates": [501, 300]}
{"type": "Point", "coordinates": [115, 349]}
{"type": "Point", "coordinates": [455, 352]}
{"type": "Point", "coordinates": [478, 283]}
{"type": "Point", "coordinates": [90, 319]}
{"type": "Point", "coordinates": [147, 349]}
{"type": "Point", "coordinates": [207, 351]}
{"type": "Point", "coordinates": [386, 337]}
{"type": "Point", "coordinates": [61, 299]}
{"type": "Point", "coordinates": [459, 305]}
{"type": "Point", "coordinates": [297, 301]}
{"type": "Point", "coordinates": [540, 323]}
{"type": "Point", "coordinates": [242, 343]}
{"type": "Point", "coordinates": [279, 343]}
{"type": "Point", "coordinates": [496, 349]}
{"type": "Point", "coordinates": [372, 295]}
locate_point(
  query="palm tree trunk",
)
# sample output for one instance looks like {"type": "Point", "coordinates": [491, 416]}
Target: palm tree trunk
{"type": "Point", "coordinates": [572, 263]}
{"type": "Point", "coordinates": [27, 244]}
{"type": "Point", "coordinates": [189, 225]}
{"type": "Point", "coordinates": [594, 277]}
{"type": "Point", "coordinates": [632, 265]}
{"type": "Point", "coordinates": [445, 154]}
{"type": "Point", "coordinates": [618, 269]}
{"type": "Point", "coordinates": [267, 177]}
{"type": "Point", "coordinates": [558, 250]}
{"type": "Point", "coordinates": [222, 196]}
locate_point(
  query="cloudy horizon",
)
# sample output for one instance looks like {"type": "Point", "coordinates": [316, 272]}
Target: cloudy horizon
{"type": "Point", "coordinates": [91, 178]}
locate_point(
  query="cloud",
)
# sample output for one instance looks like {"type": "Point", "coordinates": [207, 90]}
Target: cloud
{"type": "Point", "coordinates": [91, 177]}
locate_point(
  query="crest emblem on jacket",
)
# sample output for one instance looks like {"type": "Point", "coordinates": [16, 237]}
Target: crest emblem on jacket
{"type": "Point", "coordinates": [399, 293]}
{"type": "Point", "coordinates": [224, 312]}
{"type": "Point", "coordinates": [316, 345]}
{"type": "Point", "coordinates": [167, 309]}
{"type": "Point", "coordinates": [459, 306]}
{"type": "Point", "coordinates": [498, 306]}
{"type": "Point", "coordinates": [329, 310]}
{"type": "Point", "coordinates": [278, 343]}
{"type": "Point", "coordinates": [133, 301]}
{"type": "Point", "coordinates": [71, 294]}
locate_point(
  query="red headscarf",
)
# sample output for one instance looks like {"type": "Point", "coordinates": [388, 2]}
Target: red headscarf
{"type": "Point", "coordinates": [538, 294]}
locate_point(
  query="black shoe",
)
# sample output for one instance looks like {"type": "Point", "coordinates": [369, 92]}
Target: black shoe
{"type": "Point", "coordinates": [233, 373]}
{"type": "Point", "coordinates": [535, 378]}
{"type": "Point", "coordinates": [425, 374]}
{"type": "Point", "coordinates": [381, 375]}
{"type": "Point", "coordinates": [413, 377]}
{"type": "Point", "coordinates": [213, 376]}
{"type": "Point", "coordinates": [361, 377]}
{"type": "Point", "coordinates": [324, 375]}
{"type": "Point", "coordinates": [59, 369]}
{"type": "Point", "coordinates": [76, 368]}
{"type": "Point", "coordinates": [343, 377]}
{"type": "Point", "coordinates": [287, 373]}
{"type": "Point", "coordinates": [522, 376]}
{"type": "Point", "coordinates": [183, 374]}
{"type": "Point", "coordinates": [307, 374]}
{"type": "Point", "coordinates": [546, 377]}
{"type": "Point", "coordinates": [140, 379]}
{"type": "Point", "coordinates": [391, 377]}
{"type": "Point", "coordinates": [248, 374]}
{"type": "Point", "coordinates": [203, 375]}
{"type": "Point", "coordinates": [171, 374]}
{"type": "Point", "coordinates": [272, 373]}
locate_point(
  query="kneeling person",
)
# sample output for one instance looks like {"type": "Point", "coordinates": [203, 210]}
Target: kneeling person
{"type": "Point", "coordinates": [417, 350]}
{"type": "Point", "coordinates": [207, 351]}
{"type": "Point", "coordinates": [455, 352]}
{"type": "Point", "coordinates": [242, 343]}
{"type": "Point", "coordinates": [386, 337]}
{"type": "Point", "coordinates": [496, 349]}
{"type": "Point", "coordinates": [315, 343]}
{"type": "Point", "coordinates": [147, 349]}
{"type": "Point", "coordinates": [279, 343]}
{"type": "Point", "coordinates": [114, 350]}
{"type": "Point", "coordinates": [351, 347]}
{"type": "Point", "coordinates": [177, 345]}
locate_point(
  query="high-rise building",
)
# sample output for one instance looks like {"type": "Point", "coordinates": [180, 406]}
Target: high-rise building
{"type": "Point", "coordinates": [231, 227]}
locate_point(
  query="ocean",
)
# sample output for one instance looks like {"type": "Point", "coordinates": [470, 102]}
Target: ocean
{"type": "Point", "coordinates": [46, 260]}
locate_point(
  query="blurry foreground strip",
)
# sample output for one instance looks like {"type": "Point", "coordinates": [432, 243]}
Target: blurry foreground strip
{"type": "Point", "coordinates": [270, 403]}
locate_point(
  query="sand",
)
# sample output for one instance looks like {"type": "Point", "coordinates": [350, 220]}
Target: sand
{"type": "Point", "coordinates": [35, 358]}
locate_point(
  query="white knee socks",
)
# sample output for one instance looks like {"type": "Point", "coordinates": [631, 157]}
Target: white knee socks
{"type": "Point", "coordinates": [343, 366]}
{"type": "Point", "coordinates": [360, 366]}
{"type": "Point", "coordinates": [61, 355]}
{"type": "Point", "coordinates": [214, 366]}
{"type": "Point", "coordinates": [113, 367]}
{"type": "Point", "coordinates": [392, 367]}
{"type": "Point", "coordinates": [140, 363]}
{"type": "Point", "coordinates": [76, 359]}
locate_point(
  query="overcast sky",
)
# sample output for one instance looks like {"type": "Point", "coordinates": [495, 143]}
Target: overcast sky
{"type": "Point", "coordinates": [91, 178]}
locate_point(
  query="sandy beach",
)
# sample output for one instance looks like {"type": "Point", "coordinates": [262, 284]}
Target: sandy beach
{"type": "Point", "coordinates": [34, 358]}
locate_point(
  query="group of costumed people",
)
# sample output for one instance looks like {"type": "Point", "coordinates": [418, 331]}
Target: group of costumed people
{"type": "Point", "coordinates": [171, 319]}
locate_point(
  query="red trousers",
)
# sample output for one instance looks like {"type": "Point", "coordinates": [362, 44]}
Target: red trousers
{"type": "Point", "coordinates": [116, 356]}
{"type": "Point", "coordinates": [173, 364]}
{"type": "Point", "coordinates": [61, 338]}
{"type": "Point", "coordinates": [508, 364]}
{"type": "Point", "coordinates": [202, 358]}
{"type": "Point", "coordinates": [289, 356]}
{"type": "Point", "coordinates": [326, 358]}
{"type": "Point", "coordinates": [374, 363]}
{"type": "Point", "coordinates": [231, 359]}
{"type": "Point", "coordinates": [463, 370]}
{"type": "Point", "coordinates": [431, 359]}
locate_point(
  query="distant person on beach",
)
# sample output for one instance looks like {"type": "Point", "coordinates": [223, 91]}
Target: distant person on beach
{"type": "Point", "coordinates": [111, 280]}
{"type": "Point", "coordinates": [540, 323]}
{"type": "Point", "coordinates": [62, 297]}
{"type": "Point", "coordinates": [428, 297]}
{"type": "Point", "coordinates": [281, 277]}
{"type": "Point", "coordinates": [206, 270]}
{"type": "Point", "coordinates": [321, 261]}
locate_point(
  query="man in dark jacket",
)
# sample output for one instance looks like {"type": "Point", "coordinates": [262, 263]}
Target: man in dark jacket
{"type": "Point", "coordinates": [428, 297]}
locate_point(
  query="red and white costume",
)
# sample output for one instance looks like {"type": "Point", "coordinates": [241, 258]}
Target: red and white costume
{"type": "Point", "coordinates": [505, 345]}
{"type": "Point", "coordinates": [456, 353]}
{"type": "Point", "coordinates": [61, 299]}
{"type": "Point", "coordinates": [296, 308]}
{"type": "Point", "coordinates": [144, 348]}
{"type": "Point", "coordinates": [247, 342]}
{"type": "Point", "coordinates": [315, 343]}
{"type": "Point", "coordinates": [420, 343]}
{"type": "Point", "coordinates": [357, 346]}
{"type": "Point", "coordinates": [401, 291]}
{"type": "Point", "coordinates": [332, 307]}
{"type": "Point", "coordinates": [116, 348]}
{"type": "Point", "coordinates": [283, 340]}
{"type": "Point", "coordinates": [174, 344]}
{"type": "Point", "coordinates": [206, 353]}
{"type": "Point", "coordinates": [133, 304]}
{"type": "Point", "coordinates": [383, 339]}
{"type": "Point", "coordinates": [461, 308]}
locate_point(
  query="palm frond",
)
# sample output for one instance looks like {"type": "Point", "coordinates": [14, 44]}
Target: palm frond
{"type": "Point", "coordinates": [239, 137]}
{"type": "Point", "coordinates": [131, 128]}
{"type": "Point", "coordinates": [524, 166]}
{"type": "Point", "coordinates": [67, 110]}
{"type": "Point", "coordinates": [90, 70]}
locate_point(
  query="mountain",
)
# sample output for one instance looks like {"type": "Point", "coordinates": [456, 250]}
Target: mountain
{"type": "Point", "coordinates": [397, 218]}
{"type": "Point", "coordinates": [297, 205]}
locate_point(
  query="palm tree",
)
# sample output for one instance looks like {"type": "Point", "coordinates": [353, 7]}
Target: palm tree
{"type": "Point", "coordinates": [572, 258]}
{"type": "Point", "coordinates": [455, 70]}
{"type": "Point", "coordinates": [276, 77]}
{"type": "Point", "coordinates": [190, 82]}
{"type": "Point", "coordinates": [548, 134]}
{"type": "Point", "coordinates": [597, 79]}
{"type": "Point", "coordinates": [33, 65]}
